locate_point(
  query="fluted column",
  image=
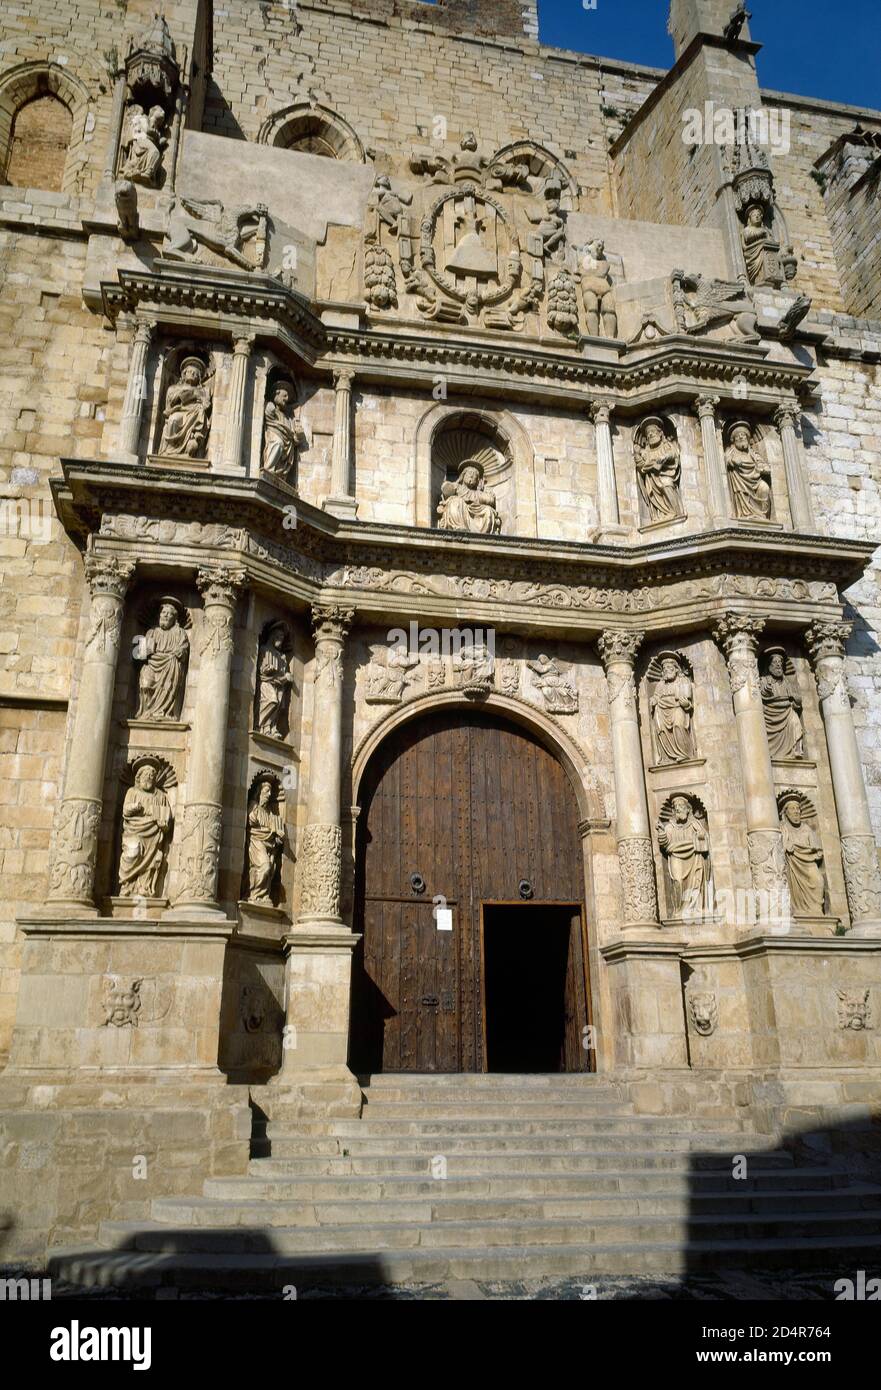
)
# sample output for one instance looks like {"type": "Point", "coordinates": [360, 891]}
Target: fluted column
{"type": "Point", "coordinates": [321, 846]}
{"type": "Point", "coordinates": [738, 636]}
{"type": "Point", "coordinates": [635, 855]}
{"type": "Point", "coordinates": [800, 507]}
{"type": "Point", "coordinates": [341, 501]}
{"type": "Point", "coordinates": [607, 489]}
{"type": "Point", "coordinates": [135, 389]}
{"type": "Point", "coordinates": [859, 854]}
{"type": "Point", "coordinates": [714, 463]}
{"type": "Point", "coordinates": [72, 877]}
{"type": "Point", "coordinates": [202, 828]}
{"type": "Point", "coordinates": [235, 405]}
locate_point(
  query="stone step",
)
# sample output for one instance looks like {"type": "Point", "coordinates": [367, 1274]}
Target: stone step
{"type": "Point", "coordinates": [546, 1108]}
{"type": "Point", "coordinates": [480, 1163]}
{"type": "Point", "coordinates": [388, 1235]}
{"type": "Point", "coordinates": [530, 1184]}
{"type": "Point", "coordinates": [271, 1272]}
{"type": "Point", "coordinates": [431, 1123]}
{"type": "Point", "coordinates": [485, 1081]}
{"type": "Point", "coordinates": [439, 1206]}
{"type": "Point", "coordinates": [358, 1142]}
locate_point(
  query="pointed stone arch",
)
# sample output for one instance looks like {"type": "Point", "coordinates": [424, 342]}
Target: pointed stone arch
{"type": "Point", "coordinates": [37, 81]}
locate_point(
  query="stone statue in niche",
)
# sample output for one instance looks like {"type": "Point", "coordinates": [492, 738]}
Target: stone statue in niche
{"type": "Point", "coordinates": [146, 819]}
{"type": "Point", "coordinates": [658, 469]}
{"type": "Point", "coordinates": [761, 250]}
{"type": "Point", "coordinates": [265, 841]}
{"type": "Point", "coordinates": [142, 145]}
{"type": "Point", "coordinates": [672, 706]}
{"type": "Point", "coordinates": [558, 692]}
{"type": "Point", "coordinates": [782, 706]}
{"type": "Point", "coordinates": [164, 651]}
{"type": "Point", "coordinates": [598, 292]}
{"type": "Point", "coordinates": [467, 505]}
{"type": "Point", "coordinates": [685, 845]}
{"type": "Point", "coordinates": [283, 435]}
{"type": "Point", "coordinates": [389, 673]}
{"type": "Point", "coordinates": [186, 416]}
{"type": "Point", "coordinates": [274, 681]}
{"type": "Point", "coordinates": [804, 858]}
{"type": "Point", "coordinates": [748, 475]}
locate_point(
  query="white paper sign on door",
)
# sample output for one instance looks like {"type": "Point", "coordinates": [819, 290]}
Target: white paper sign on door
{"type": "Point", "coordinates": [444, 918]}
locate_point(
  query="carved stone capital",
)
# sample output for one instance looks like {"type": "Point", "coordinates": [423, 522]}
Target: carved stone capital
{"type": "Point", "coordinates": [786, 417]}
{"type": "Point", "coordinates": [636, 861]}
{"type": "Point", "coordinates": [243, 344]}
{"type": "Point", "coordinates": [144, 330]}
{"type": "Point", "coordinates": [706, 406]}
{"type": "Point", "coordinates": [221, 585]}
{"type": "Point", "coordinates": [319, 869]}
{"type": "Point", "coordinates": [827, 640]}
{"type": "Point", "coordinates": [614, 646]}
{"type": "Point", "coordinates": [738, 635]}
{"type": "Point", "coordinates": [601, 411]}
{"type": "Point", "coordinates": [862, 877]}
{"type": "Point", "coordinates": [330, 622]}
{"type": "Point", "coordinates": [108, 577]}
{"type": "Point", "coordinates": [343, 379]}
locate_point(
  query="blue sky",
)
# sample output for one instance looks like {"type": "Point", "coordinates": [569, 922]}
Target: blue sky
{"type": "Point", "coordinates": [822, 48]}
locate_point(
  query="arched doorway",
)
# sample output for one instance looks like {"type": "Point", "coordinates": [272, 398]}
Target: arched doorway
{"type": "Point", "coordinates": [469, 898]}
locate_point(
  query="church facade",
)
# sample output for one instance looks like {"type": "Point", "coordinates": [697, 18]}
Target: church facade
{"type": "Point", "coordinates": [441, 479]}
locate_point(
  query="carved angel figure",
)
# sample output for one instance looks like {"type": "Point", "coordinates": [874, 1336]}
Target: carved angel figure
{"type": "Point", "coordinates": [221, 229]}
{"type": "Point", "coordinates": [559, 694]}
{"type": "Point", "coordinates": [265, 842]}
{"type": "Point", "coordinates": [164, 650]}
{"type": "Point", "coordinates": [748, 475]}
{"type": "Point", "coordinates": [146, 816]}
{"type": "Point", "coordinates": [467, 505]}
{"type": "Point", "coordinates": [804, 861]}
{"type": "Point", "coordinates": [187, 411]}
{"type": "Point", "coordinates": [713, 304]}
{"type": "Point", "coordinates": [389, 673]}
{"type": "Point", "coordinates": [657, 470]}
{"type": "Point", "coordinates": [283, 435]}
{"type": "Point", "coordinates": [142, 145]}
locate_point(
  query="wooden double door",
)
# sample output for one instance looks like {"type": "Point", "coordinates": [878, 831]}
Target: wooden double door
{"type": "Point", "coordinates": [469, 898]}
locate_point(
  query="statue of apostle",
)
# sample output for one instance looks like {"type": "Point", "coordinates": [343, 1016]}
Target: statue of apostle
{"type": "Point", "coordinates": [657, 470]}
{"type": "Point", "coordinates": [274, 681]}
{"type": "Point", "coordinates": [749, 476]}
{"type": "Point", "coordinates": [467, 505]}
{"type": "Point", "coordinates": [781, 704]}
{"type": "Point", "coordinates": [283, 436]}
{"type": "Point", "coordinates": [672, 703]}
{"type": "Point", "coordinates": [686, 847]}
{"type": "Point", "coordinates": [804, 861]}
{"type": "Point", "coordinates": [265, 842]}
{"type": "Point", "coordinates": [164, 650]}
{"type": "Point", "coordinates": [146, 816]}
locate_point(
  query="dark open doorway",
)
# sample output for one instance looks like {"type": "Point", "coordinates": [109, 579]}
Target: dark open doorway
{"type": "Point", "coordinates": [533, 988]}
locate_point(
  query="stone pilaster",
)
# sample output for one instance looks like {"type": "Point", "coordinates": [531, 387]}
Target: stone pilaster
{"type": "Point", "coordinates": [72, 876]}
{"type": "Point", "coordinates": [717, 483]}
{"type": "Point", "coordinates": [635, 854]}
{"type": "Point", "coordinates": [737, 635]}
{"type": "Point", "coordinates": [801, 511]}
{"type": "Point", "coordinates": [859, 854]}
{"type": "Point", "coordinates": [341, 501]}
{"type": "Point", "coordinates": [202, 827]}
{"type": "Point", "coordinates": [235, 405]}
{"type": "Point", "coordinates": [607, 489]}
{"type": "Point", "coordinates": [135, 390]}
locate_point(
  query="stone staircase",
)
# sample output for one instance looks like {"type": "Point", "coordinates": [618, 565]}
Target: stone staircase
{"type": "Point", "coordinates": [493, 1177]}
